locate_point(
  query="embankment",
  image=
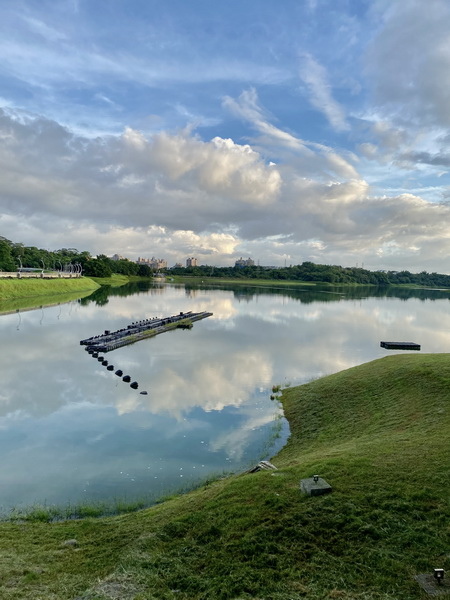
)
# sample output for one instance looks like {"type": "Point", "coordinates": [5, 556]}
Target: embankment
{"type": "Point", "coordinates": [26, 288]}
{"type": "Point", "coordinates": [26, 294]}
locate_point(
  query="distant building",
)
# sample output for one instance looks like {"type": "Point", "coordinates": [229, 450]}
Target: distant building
{"type": "Point", "coordinates": [244, 262]}
{"type": "Point", "coordinates": [153, 263]}
{"type": "Point", "coordinates": [191, 262]}
{"type": "Point", "coordinates": [117, 257]}
{"type": "Point", "coordinates": [177, 266]}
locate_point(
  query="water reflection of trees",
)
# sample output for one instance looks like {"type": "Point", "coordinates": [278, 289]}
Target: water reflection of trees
{"type": "Point", "coordinates": [305, 295]}
{"type": "Point", "coordinates": [101, 296]}
{"type": "Point", "coordinates": [308, 295]}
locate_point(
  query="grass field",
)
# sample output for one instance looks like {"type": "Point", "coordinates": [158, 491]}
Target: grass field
{"type": "Point", "coordinates": [27, 288]}
{"type": "Point", "coordinates": [115, 280]}
{"type": "Point", "coordinates": [378, 433]}
{"type": "Point", "coordinates": [277, 283]}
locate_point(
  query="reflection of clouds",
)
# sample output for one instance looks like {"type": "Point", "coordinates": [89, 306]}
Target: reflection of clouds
{"type": "Point", "coordinates": [243, 347]}
{"type": "Point", "coordinates": [235, 441]}
{"type": "Point", "coordinates": [171, 300]}
{"type": "Point", "coordinates": [11, 417]}
{"type": "Point", "coordinates": [62, 410]}
{"type": "Point", "coordinates": [224, 381]}
{"type": "Point", "coordinates": [129, 404]}
{"type": "Point", "coordinates": [387, 317]}
{"type": "Point", "coordinates": [312, 315]}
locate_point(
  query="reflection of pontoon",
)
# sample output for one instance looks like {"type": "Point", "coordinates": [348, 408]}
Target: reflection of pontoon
{"type": "Point", "coordinates": [110, 340]}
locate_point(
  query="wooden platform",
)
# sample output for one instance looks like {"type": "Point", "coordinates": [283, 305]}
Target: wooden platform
{"type": "Point", "coordinates": [140, 330]}
{"type": "Point", "coordinates": [400, 345]}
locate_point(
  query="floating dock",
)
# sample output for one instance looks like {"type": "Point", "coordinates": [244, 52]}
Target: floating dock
{"type": "Point", "coordinates": [400, 345]}
{"type": "Point", "coordinates": [140, 330]}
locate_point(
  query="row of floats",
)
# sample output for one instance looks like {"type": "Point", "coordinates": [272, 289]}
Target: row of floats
{"type": "Point", "coordinates": [119, 372]}
{"type": "Point", "coordinates": [139, 330]}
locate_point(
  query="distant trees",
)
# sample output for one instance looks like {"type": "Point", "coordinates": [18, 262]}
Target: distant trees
{"type": "Point", "coordinates": [308, 271]}
{"type": "Point", "coordinates": [6, 258]}
{"type": "Point", "coordinates": [144, 271]}
{"type": "Point", "coordinates": [13, 254]}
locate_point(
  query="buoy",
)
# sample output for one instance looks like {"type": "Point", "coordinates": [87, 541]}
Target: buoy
{"type": "Point", "coordinates": [144, 393]}
{"type": "Point", "coordinates": [119, 372]}
{"type": "Point", "coordinates": [94, 354]}
{"type": "Point", "coordinates": [134, 385]}
{"type": "Point", "coordinates": [110, 367]}
{"type": "Point", "coordinates": [126, 378]}
{"type": "Point", "coordinates": [101, 358]}
{"type": "Point", "coordinates": [104, 363]}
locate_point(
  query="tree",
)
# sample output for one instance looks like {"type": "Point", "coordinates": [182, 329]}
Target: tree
{"type": "Point", "coordinates": [144, 271]}
{"type": "Point", "coordinates": [6, 260]}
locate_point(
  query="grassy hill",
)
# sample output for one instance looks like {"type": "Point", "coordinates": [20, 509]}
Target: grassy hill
{"type": "Point", "coordinates": [30, 287]}
{"type": "Point", "coordinates": [378, 433]}
{"type": "Point", "coordinates": [25, 294]}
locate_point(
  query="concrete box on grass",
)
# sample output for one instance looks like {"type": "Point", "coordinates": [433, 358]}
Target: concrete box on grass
{"type": "Point", "coordinates": [315, 486]}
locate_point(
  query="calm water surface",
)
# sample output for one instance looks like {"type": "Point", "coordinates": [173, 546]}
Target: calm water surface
{"type": "Point", "coordinates": [72, 432]}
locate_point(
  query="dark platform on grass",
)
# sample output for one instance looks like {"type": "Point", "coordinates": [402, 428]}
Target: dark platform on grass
{"type": "Point", "coordinates": [400, 345]}
{"type": "Point", "coordinates": [315, 486]}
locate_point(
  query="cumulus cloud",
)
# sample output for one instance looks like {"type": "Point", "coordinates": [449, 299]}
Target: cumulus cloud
{"type": "Point", "coordinates": [175, 195]}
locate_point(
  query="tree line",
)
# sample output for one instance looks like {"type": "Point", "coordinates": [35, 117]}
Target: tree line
{"type": "Point", "coordinates": [12, 255]}
{"type": "Point", "coordinates": [309, 271]}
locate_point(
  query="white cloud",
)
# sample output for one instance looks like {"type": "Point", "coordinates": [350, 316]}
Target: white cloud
{"type": "Point", "coordinates": [408, 61]}
{"type": "Point", "coordinates": [38, 26]}
{"type": "Point", "coordinates": [311, 158]}
{"type": "Point", "coordinates": [248, 108]}
{"type": "Point", "coordinates": [175, 195]}
{"type": "Point", "coordinates": [315, 77]}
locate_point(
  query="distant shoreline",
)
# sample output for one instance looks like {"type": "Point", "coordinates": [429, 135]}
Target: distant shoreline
{"type": "Point", "coordinates": [37, 291]}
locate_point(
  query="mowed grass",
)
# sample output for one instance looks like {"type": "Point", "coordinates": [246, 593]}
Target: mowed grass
{"type": "Point", "coordinates": [274, 283]}
{"type": "Point", "coordinates": [115, 280]}
{"type": "Point", "coordinates": [378, 433]}
{"type": "Point", "coordinates": [34, 287]}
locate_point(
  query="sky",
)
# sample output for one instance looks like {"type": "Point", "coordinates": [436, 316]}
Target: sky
{"type": "Point", "coordinates": [303, 130]}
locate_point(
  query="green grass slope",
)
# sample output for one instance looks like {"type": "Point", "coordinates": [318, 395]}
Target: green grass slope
{"type": "Point", "coordinates": [115, 280]}
{"type": "Point", "coordinates": [30, 287]}
{"type": "Point", "coordinates": [379, 433]}
{"type": "Point", "coordinates": [26, 294]}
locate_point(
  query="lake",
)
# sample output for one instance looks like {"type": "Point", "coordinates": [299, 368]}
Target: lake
{"type": "Point", "coordinates": [73, 432]}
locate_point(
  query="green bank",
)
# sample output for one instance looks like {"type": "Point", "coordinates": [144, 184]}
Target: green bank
{"type": "Point", "coordinates": [378, 433]}
{"type": "Point", "coordinates": [25, 294]}
{"type": "Point", "coordinates": [31, 287]}
{"type": "Point", "coordinates": [241, 281]}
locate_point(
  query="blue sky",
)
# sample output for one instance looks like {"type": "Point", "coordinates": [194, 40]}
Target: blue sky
{"type": "Point", "coordinates": [304, 130]}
